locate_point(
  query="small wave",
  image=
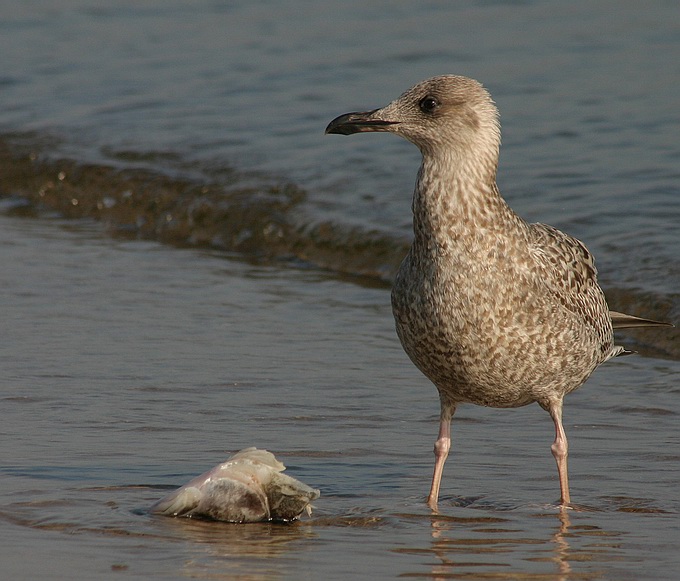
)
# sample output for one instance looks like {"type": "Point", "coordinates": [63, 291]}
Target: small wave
{"type": "Point", "coordinates": [255, 216]}
{"type": "Point", "coordinates": [159, 196]}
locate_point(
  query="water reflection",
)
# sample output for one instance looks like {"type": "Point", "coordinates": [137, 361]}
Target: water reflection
{"type": "Point", "coordinates": [504, 547]}
{"type": "Point", "coordinates": [219, 550]}
{"type": "Point", "coordinates": [562, 547]}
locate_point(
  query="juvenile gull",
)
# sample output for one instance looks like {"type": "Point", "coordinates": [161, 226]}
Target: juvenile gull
{"type": "Point", "coordinates": [493, 310]}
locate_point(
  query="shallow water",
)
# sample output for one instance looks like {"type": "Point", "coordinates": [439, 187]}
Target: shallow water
{"type": "Point", "coordinates": [130, 367]}
{"type": "Point", "coordinates": [190, 267]}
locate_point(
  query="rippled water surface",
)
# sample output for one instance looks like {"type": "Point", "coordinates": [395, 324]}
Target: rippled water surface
{"type": "Point", "coordinates": [188, 267]}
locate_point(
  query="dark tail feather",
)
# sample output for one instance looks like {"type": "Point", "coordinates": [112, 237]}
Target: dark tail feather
{"type": "Point", "coordinates": [623, 321]}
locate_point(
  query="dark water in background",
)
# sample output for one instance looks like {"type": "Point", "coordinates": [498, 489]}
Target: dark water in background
{"type": "Point", "coordinates": [232, 287]}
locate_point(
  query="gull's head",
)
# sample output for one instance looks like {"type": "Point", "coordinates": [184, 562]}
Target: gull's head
{"type": "Point", "coordinates": [442, 114]}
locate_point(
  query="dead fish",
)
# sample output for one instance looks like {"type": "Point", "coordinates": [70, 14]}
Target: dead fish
{"type": "Point", "coordinates": [248, 487]}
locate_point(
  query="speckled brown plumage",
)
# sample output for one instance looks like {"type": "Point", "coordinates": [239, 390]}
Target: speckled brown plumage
{"type": "Point", "coordinates": [493, 310]}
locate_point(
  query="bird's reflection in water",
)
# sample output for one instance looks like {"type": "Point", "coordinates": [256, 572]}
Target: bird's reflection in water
{"type": "Point", "coordinates": [501, 547]}
{"type": "Point", "coordinates": [562, 548]}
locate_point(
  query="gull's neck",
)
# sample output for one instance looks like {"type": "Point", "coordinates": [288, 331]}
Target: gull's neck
{"type": "Point", "coordinates": [456, 201]}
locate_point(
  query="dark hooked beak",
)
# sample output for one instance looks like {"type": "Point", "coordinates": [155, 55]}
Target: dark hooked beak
{"type": "Point", "coordinates": [358, 123]}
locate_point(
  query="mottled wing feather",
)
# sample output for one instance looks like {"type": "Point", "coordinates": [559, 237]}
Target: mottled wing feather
{"type": "Point", "coordinates": [568, 260]}
{"type": "Point", "coordinates": [571, 277]}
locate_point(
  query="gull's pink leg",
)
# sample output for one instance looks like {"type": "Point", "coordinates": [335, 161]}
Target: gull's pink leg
{"type": "Point", "coordinates": [560, 450]}
{"type": "Point", "coordinates": [441, 452]}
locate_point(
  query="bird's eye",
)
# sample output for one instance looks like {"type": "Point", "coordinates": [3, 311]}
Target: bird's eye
{"type": "Point", "coordinates": [428, 104]}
